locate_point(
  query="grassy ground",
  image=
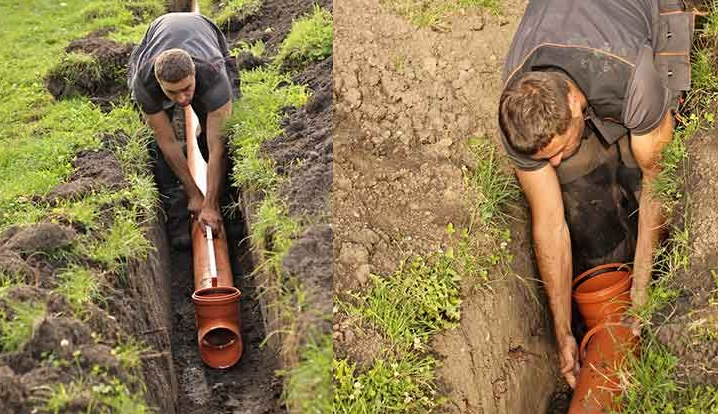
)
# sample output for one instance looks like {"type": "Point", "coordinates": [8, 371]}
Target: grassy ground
{"type": "Point", "coordinates": [422, 298]}
{"type": "Point", "coordinates": [434, 13]}
{"type": "Point", "coordinates": [256, 119]}
{"type": "Point", "coordinates": [650, 384]}
{"type": "Point", "coordinates": [40, 138]}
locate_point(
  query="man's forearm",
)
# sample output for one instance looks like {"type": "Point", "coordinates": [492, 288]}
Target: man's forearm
{"type": "Point", "coordinates": [217, 165]}
{"type": "Point", "coordinates": [552, 245]}
{"type": "Point", "coordinates": [650, 221]}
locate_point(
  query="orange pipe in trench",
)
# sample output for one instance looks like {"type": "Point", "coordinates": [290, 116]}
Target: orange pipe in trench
{"type": "Point", "coordinates": [602, 295]}
{"type": "Point", "coordinates": [215, 298]}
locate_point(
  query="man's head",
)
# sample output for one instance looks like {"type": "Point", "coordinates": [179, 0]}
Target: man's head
{"type": "Point", "coordinates": [174, 70]}
{"type": "Point", "coordinates": [541, 114]}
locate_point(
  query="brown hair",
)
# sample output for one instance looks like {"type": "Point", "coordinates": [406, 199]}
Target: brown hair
{"type": "Point", "coordinates": [173, 65]}
{"type": "Point", "coordinates": [533, 109]}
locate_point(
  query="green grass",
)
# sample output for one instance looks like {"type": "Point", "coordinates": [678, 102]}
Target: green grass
{"type": "Point", "coordinates": [433, 13]}
{"type": "Point", "coordinates": [80, 287]}
{"type": "Point", "coordinates": [100, 395]}
{"type": "Point", "coordinates": [16, 329]}
{"type": "Point", "coordinates": [309, 384]}
{"type": "Point", "coordinates": [235, 11]}
{"type": "Point", "coordinates": [256, 118]}
{"type": "Point", "coordinates": [129, 353]}
{"type": "Point", "coordinates": [420, 299]}
{"type": "Point", "coordinates": [650, 381]}
{"type": "Point", "coordinates": [311, 38]}
{"type": "Point", "coordinates": [491, 188]}
{"type": "Point", "coordinates": [273, 231]}
{"type": "Point", "coordinates": [124, 240]}
{"type": "Point", "coordinates": [404, 385]}
{"type": "Point", "coordinates": [257, 48]}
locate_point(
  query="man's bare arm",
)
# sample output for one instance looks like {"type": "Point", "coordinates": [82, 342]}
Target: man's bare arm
{"type": "Point", "coordinates": [647, 150]}
{"type": "Point", "coordinates": [552, 245]}
{"type": "Point", "coordinates": [172, 152]}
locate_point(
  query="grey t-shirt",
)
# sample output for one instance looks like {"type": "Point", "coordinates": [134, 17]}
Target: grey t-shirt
{"type": "Point", "coordinates": [199, 37]}
{"type": "Point", "coordinates": [580, 22]}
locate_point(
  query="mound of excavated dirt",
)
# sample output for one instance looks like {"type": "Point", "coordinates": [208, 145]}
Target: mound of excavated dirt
{"type": "Point", "coordinates": [406, 102]}
{"type": "Point", "coordinates": [136, 306]}
{"type": "Point", "coordinates": [273, 21]}
{"type": "Point", "coordinates": [94, 170]}
{"type": "Point", "coordinates": [104, 81]}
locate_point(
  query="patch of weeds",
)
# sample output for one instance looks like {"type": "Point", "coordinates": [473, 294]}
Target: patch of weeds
{"type": "Point", "coordinates": [476, 260]}
{"type": "Point", "coordinates": [129, 353]}
{"type": "Point", "coordinates": [80, 287]}
{"type": "Point", "coordinates": [236, 11]}
{"type": "Point", "coordinates": [310, 39]}
{"type": "Point", "coordinates": [257, 48]}
{"type": "Point", "coordinates": [491, 188]}
{"type": "Point", "coordinates": [103, 397]}
{"type": "Point", "coordinates": [433, 13]}
{"type": "Point", "coordinates": [405, 385]}
{"type": "Point", "coordinates": [273, 232]}
{"type": "Point", "coordinates": [16, 329]}
{"type": "Point", "coordinates": [650, 387]}
{"type": "Point", "coordinates": [8, 280]}
{"type": "Point", "coordinates": [257, 118]}
{"type": "Point", "coordinates": [308, 388]}
{"type": "Point", "coordinates": [124, 240]}
{"type": "Point", "coordinates": [419, 299]}
{"type": "Point", "coordinates": [669, 183]}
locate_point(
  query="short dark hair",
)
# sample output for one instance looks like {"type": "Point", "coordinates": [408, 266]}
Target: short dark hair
{"type": "Point", "coordinates": [173, 65]}
{"type": "Point", "coordinates": [533, 109]}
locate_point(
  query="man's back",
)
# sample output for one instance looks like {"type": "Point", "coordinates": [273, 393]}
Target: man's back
{"type": "Point", "coordinates": [617, 27]}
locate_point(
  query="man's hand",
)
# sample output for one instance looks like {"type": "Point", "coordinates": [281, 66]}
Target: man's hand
{"type": "Point", "coordinates": [568, 355]}
{"type": "Point", "coordinates": [194, 204]}
{"type": "Point", "coordinates": [210, 216]}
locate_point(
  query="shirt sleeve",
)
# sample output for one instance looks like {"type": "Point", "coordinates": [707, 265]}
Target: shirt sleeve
{"type": "Point", "coordinates": [647, 97]}
{"type": "Point", "coordinates": [219, 92]}
{"type": "Point", "coordinates": [144, 98]}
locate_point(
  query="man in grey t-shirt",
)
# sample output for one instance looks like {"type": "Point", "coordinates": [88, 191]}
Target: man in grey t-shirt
{"type": "Point", "coordinates": [183, 60]}
{"type": "Point", "coordinates": [585, 114]}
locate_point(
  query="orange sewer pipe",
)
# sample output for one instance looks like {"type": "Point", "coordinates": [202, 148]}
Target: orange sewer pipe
{"type": "Point", "coordinates": [215, 298]}
{"type": "Point", "coordinates": [602, 295]}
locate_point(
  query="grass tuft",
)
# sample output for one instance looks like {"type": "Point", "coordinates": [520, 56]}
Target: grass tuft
{"type": "Point", "coordinates": [235, 11]}
{"type": "Point", "coordinates": [434, 13]}
{"type": "Point", "coordinates": [80, 287]}
{"type": "Point", "coordinates": [16, 329]}
{"type": "Point", "coordinates": [310, 39]}
{"type": "Point", "coordinates": [308, 388]}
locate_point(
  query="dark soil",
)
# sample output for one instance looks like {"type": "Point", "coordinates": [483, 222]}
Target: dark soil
{"type": "Point", "coordinates": [276, 15]}
{"type": "Point", "coordinates": [105, 88]}
{"type": "Point", "coordinates": [94, 170]}
{"type": "Point", "coordinates": [304, 152]}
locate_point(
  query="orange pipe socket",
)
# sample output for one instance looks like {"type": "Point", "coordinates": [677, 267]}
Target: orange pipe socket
{"type": "Point", "coordinates": [605, 348]}
{"type": "Point", "coordinates": [602, 295]}
{"type": "Point", "coordinates": [215, 298]}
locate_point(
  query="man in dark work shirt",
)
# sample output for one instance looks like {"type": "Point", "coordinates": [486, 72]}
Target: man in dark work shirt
{"type": "Point", "coordinates": [183, 60]}
{"type": "Point", "coordinates": [586, 111]}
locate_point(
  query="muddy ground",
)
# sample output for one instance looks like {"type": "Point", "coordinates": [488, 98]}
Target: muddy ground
{"type": "Point", "coordinates": [406, 102]}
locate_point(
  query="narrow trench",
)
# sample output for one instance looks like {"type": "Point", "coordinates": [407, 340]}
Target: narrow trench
{"type": "Point", "coordinates": [250, 386]}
